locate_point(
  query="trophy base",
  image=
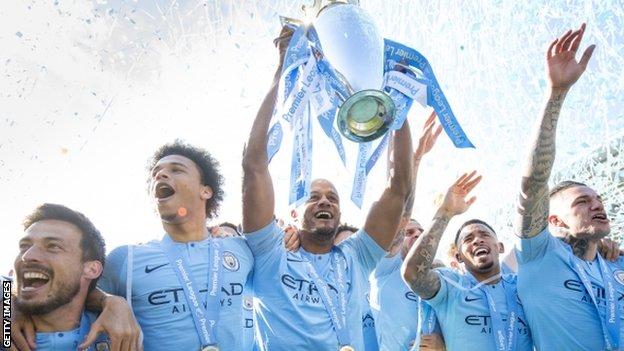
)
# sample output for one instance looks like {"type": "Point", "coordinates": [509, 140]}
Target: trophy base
{"type": "Point", "coordinates": [366, 115]}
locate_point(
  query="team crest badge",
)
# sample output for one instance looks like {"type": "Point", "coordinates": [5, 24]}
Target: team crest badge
{"type": "Point", "coordinates": [618, 275]}
{"type": "Point", "coordinates": [230, 261]}
{"type": "Point", "coordinates": [248, 303]}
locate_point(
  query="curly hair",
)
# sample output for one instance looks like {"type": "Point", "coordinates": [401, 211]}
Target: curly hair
{"type": "Point", "coordinates": [207, 165]}
{"type": "Point", "coordinates": [92, 243]}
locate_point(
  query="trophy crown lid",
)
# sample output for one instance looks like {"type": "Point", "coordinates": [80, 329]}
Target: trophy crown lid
{"type": "Point", "coordinates": [312, 11]}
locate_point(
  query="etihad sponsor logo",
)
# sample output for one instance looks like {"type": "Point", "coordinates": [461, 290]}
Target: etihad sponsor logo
{"type": "Point", "coordinates": [305, 290]}
{"type": "Point", "coordinates": [599, 292]}
{"type": "Point", "coordinates": [485, 323]}
{"type": "Point", "coordinates": [411, 296]}
{"type": "Point", "coordinates": [368, 321]}
{"type": "Point", "coordinates": [175, 297]}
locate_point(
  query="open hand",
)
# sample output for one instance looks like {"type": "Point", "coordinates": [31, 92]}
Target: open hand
{"type": "Point", "coordinates": [562, 68]}
{"type": "Point", "coordinates": [428, 137]}
{"type": "Point", "coordinates": [455, 201]}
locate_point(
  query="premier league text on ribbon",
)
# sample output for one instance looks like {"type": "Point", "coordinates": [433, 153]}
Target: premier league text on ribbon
{"type": "Point", "coordinates": [6, 314]}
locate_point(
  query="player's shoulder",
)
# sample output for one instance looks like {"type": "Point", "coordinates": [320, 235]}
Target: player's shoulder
{"type": "Point", "coordinates": [120, 253]}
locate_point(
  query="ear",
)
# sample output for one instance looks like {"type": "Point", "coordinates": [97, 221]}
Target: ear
{"type": "Point", "coordinates": [92, 269]}
{"type": "Point", "coordinates": [458, 257]}
{"type": "Point", "coordinates": [501, 247]}
{"type": "Point", "coordinates": [206, 192]}
{"type": "Point", "coordinates": [556, 222]}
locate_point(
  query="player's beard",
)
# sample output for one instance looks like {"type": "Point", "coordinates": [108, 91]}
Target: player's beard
{"type": "Point", "coordinates": [580, 241]}
{"type": "Point", "coordinates": [325, 233]}
{"type": "Point", "coordinates": [65, 294]}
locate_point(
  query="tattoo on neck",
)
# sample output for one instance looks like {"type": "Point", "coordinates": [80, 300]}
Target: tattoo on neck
{"type": "Point", "coordinates": [579, 246]}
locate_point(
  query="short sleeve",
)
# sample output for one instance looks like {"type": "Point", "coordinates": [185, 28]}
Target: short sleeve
{"type": "Point", "coordinates": [265, 240]}
{"type": "Point", "coordinates": [113, 280]}
{"type": "Point", "coordinates": [441, 297]}
{"type": "Point", "coordinates": [365, 248]}
{"type": "Point", "coordinates": [534, 248]}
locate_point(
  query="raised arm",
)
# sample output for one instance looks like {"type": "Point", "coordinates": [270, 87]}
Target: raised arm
{"type": "Point", "coordinates": [258, 196]}
{"type": "Point", "coordinates": [426, 142]}
{"type": "Point", "coordinates": [384, 216]}
{"type": "Point", "coordinates": [563, 71]}
{"type": "Point", "coordinates": [417, 267]}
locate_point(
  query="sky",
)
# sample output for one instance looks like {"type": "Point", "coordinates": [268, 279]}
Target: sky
{"type": "Point", "coordinates": [90, 89]}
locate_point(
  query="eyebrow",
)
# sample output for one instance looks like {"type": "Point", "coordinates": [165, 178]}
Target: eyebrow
{"type": "Point", "coordinates": [159, 166]}
{"type": "Point", "coordinates": [47, 239]}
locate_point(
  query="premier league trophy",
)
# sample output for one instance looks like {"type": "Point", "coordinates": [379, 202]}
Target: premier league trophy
{"type": "Point", "coordinates": [353, 45]}
{"type": "Point", "coordinates": [339, 69]}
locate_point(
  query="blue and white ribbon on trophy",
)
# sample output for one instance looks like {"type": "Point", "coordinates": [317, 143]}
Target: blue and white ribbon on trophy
{"type": "Point", "coordinates": [310, 84]}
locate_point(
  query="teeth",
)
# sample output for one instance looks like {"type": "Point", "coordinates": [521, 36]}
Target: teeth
{"type": "Point", "coordinates": [324, 214]}
{"type": "Point", "coordinates": [35, 275]}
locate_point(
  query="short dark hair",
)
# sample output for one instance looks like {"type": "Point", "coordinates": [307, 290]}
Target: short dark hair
{"type": "Point", "coordinates": [231, 225]}
{"type": "Point", "coordinates": [563, 185]}
{"type": "Point", "coordinates": [207, 165]}
{"type": "Point", "coordinates": [469, 222]}
{"type": "Point", "coordinates": [92, 243]}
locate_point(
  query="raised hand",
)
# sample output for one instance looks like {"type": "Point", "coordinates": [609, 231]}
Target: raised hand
{"type": "Point", "coordinates": [562, 68]}
{"type": "Point", "coordinates": [455, 201]}
{"type": "Point", "coordinates": [428, 137]}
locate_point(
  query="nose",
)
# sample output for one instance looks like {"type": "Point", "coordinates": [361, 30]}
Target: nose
{"type": "Point", "coordinates": [597, 205]}
{"type": "Point", "coordinates": [324, 202]}
{"type": "Point", "coordinates": [161, 174]}
{"type": "Point", "coordinates": [32, 254]}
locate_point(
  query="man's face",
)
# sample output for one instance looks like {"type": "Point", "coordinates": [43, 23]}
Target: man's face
{"type": "Point", "coordinates": [479, 248]}
{"type": "Point", "coordinates": [177, 188]}
{"type": "Point", "coordinates": [49, 267]}
{"type": "Point", "coordinates": [322, 210]}
{"type": "Point", "coordinates": [413, 230]}
{"type": "Point", "coordinates": [579, 211]}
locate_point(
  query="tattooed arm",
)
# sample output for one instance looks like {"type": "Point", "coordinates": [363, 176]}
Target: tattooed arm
{"type": "Point", "coordinates": [563, 71]}
{"type": "Point", "coordinates": [417, 267]}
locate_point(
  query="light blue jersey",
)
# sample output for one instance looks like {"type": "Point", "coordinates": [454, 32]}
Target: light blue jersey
{"type": "Point", "coordinates": [394, 306]}
{"type": "Point", "coordinates": [70, 339]}
{"type": "Point", "coordinates": [464, 315]}
{"type": "Point", "coordinates": [368, 325]}
{"type": "Point", "coordinates": [248, 317]}
{"type": "Point", "coordinates": [158, 300]}
{"type": "Point", "coordinates": [558, 309]}
{"type": "Point", "coordinates": [291, 314]}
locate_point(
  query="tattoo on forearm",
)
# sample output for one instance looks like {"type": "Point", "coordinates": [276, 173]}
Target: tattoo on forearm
{"type": "Point", "coordinates": [533, 200]}
{"type": "Point", "coordinates": [426, 282]}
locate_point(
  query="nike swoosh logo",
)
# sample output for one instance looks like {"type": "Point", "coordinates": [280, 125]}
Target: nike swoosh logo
{"type": "Point", "coordinates": [149, 269]}
{"type": "Point", "coordinates": [293, 260]}
{"type": "Point", "coordinates": [467, 299]}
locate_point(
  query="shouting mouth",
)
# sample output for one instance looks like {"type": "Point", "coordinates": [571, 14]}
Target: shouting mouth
{"type": "Point", "coordinates": [33, 280]}
{"type": "Point", "coordinates": [481, 251]}
{"type": "Point", "coordinates": [163, 191]}
{"type": "Point", "coordinates": [323, 215]}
